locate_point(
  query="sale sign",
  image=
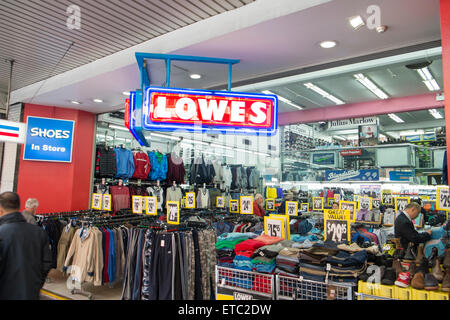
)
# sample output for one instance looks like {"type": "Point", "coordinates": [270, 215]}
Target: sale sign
{"type": "Point", "coordinates": [337, 226]}
{"type": "Point", "coordinates": [209, 111]}
{"type": "Point", "coordinates": [442, 198]}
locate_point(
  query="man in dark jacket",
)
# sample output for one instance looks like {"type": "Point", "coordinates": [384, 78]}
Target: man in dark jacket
{"type": "Point", "coordinates": [25, 256]}
{"type": "Point", "coordinates": [404, 228]}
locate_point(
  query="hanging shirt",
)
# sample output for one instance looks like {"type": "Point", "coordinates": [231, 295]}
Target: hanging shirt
{"type": "Point", "coordinates": [141, 165]}
{"type": "Point", "coordinates": [159, 194]}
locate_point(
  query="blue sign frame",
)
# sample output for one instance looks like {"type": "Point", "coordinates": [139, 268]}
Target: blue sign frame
{"type": "Point", "coordinates": [147, 124]}
{"type": "Point", "coordinates": [38, 148]}
{"type": "Point", "coordinates": [352, 175]}
{"type": "Point", "coordinates": [136, 118]}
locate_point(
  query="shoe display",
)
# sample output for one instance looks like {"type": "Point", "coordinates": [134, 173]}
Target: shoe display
{"type": "Point", "coordinates": [409, 254]}
{"type": "Point", "coordinates": [446, 281]}
{"type": "Point", "coordinates": [436, 270]}
{"type": "Point", "coordinates": [420, 254]}
{"type": "Point", "coordinates": [389, 277]}
{"type": "Point", "coordinates": [397, 266]}
{"type": "Point", "coordinates": [418, 281]}
{"type": "Point", "coordinates": [430, 282]}
{"type": "Point", "coordinates": [403, 280]}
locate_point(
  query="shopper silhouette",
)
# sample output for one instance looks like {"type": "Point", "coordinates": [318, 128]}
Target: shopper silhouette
{"type": "Point", "coordinates": [25, 257]}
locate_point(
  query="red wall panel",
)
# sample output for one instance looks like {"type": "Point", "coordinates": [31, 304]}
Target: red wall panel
{"type": "Point", "coordinates": [60, 186]}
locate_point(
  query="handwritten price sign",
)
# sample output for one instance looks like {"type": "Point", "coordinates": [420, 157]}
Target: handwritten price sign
{"type": "Point", "coordinates": [190, 200]}
{"type": "Point", "coordinates": [443, 200]}
{"type": "Point", "coordinates": [246, 205]}
{"type": "Point", "coordinates": [173, 212]}
{"type": "Point", "coordinates": [291, 208]}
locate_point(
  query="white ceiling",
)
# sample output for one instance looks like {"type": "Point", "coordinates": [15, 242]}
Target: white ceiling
{"type": "Point", "coordinates": [281, 43]}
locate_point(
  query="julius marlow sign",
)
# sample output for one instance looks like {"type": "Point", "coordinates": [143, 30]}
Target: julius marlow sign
{"type": "Point", "coordinates": [351, 123]}
{"type": "Point", "coordinates": [169, 109]}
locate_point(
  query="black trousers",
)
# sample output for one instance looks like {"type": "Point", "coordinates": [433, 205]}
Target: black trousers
{"type": "Point", "coordinates": [198, 268]}
{"type": "Point", "coordinates": [161, 268]}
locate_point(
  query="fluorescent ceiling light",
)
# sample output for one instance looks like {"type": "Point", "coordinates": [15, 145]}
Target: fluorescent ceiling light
{"type": "Point", "coordinates": [395, 118]}
{"type": "Point", "coordinates": [98, 100]}
{"type": "Point", "coordinates": [339, 138]}
{"type": "Point", "coordinates": [323, 93]}
{"type": "Point", "coordinates": [195, 76]}
{"type": "Point", "coordinates": [196, 142]}
{"type": "Point", "coordinates": [435, 114]}
{"type": "Point", "coordinates": [428, 79]}
{"type": "Point", "coordinates": [113, 126]}
{"type": "Point", "coordinates": [287, 101]}
{"type": "Point", "coordinates": [75, 102]}
{"type": "Point", "coordinates": [328, 44]}
{"type": "Point", "coordinates": [165, 136]}
{"type": "Point", "coordinates": [126, 93]}
{"type": "Point", "coordinates": [356, 22]}
{"type": "Point", "coordinates": [411, 132]}
{"type": "Point", "coordinates": [370, 85]}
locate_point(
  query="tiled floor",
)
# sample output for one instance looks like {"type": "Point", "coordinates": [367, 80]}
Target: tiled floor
{"type": "Point", "coordinates": [57, 285]}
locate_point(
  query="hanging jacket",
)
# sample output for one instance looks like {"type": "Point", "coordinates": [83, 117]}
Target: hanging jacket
{"type": "Point", "coordinates": [158, 162]}
{"type": "Point", "coordinates": [141, 165]}
{"type": "Point", "coordinates": [218, 169]}
{"type": "Point", "coordinates": [105, 162]}
{"type": "Point", "coordinates": [199, 171]}
{"type": "Point", "coordinates": [124, 163]}
{"type": "Point", "coordinates": [227, 177]}
{"type": "Point", "coordinates": [175, 171]}
{"type": "Point", "coordinates": [244, 178]}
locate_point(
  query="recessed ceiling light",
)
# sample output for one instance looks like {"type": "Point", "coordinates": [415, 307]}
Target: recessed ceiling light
{"type": "Point", "coordinates": [287, 101]}
{"type": "Point", "coordinates": [75, 102]}
{"type": "Point", "coordinates": [195, 76]}
{"type": "Point", "coordinates": [126, 93]}
{"type": "Point", "coordinates": [395, 118]}
{"type": "Point", "coordinates": [356, 22]}
{"type": "Point", "coordinates": [323, 93]}
{"type": "Point", "coordinates": [435, 114]}
{"type": "Point", "coordinates": [328, 44]}
{"type": "Point", "coordinates": [98, 100]}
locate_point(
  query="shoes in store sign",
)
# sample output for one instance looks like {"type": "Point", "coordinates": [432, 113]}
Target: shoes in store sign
{"type": "Point", "coordinates": [49, 139]}
{"type": "Point", "coordinates": [209, 111]}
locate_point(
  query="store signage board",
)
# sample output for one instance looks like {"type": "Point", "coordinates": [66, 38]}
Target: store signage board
{"type": "Point", "coordinates": [317, 203]}
{"type": "Point", "coordinates": [352, 175]}
{"type": "Point", "coordinates": [97, 201]}
{"type": "Point", "coordinates": [234, 206]}
{"type": "Point", "coordinates": [350, 206]}
{"type": "Point", "coordinates": [401, 203]}
{"type": "Point", "coordinates": [400, 175]}
{"type": "Point", "coordinates": [246, 205]}
{"type": "Point", "coordinates": [170, 109]}
{"type": "Point", "coordinates": [350, 153]}
{"type": "Point", "coordinates": [386, 197]}
{"type": "Point", "coordinates": [292, 208]}
{"type": "Point", "coordinates": [173, 212]}
{"type": "Point", "coordinates": [49, 139]}
{"type": "Point", "coordinates": [107, 202]}
{"type": "Point", "coordinates": [220, 202]}
{"type": "Point", "coordinates": [137, 204]}
{"type": "Point", "coordinates": [443, 198]}
{"type": "Point", "coordinates": [325, 158]}
{"type": "Point", "coordinates": [351, 123]}
{"type": "Point", "coordinates": [270, 204]}
{"type": "Point", "coordinates": [151, 206]}
{"type": "Point", "coordinates": [11, 131]}
{"type": "Point", "coordinates": [190, 200]}
{"type": "Point", "coordinates": [337, 226]}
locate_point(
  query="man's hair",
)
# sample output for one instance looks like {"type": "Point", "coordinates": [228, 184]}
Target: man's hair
{"type": "Point", "coordinates": [413, 205]}
{"type": "Point", "coordinates": [31, 203]}
{"type": "Point", "coordinates": [257, 196]}
{"type": "Point", "coordinates": [10, 201]}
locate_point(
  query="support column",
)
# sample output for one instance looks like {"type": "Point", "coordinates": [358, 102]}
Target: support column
{"type": "Point", "coordinates": [445, 39]}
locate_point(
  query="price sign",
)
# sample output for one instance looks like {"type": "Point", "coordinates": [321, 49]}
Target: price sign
{"type": "Point", "coordinates": [107, 202]}
{"type": "Point", "coordinates": [234, 206]}
{"type": "Point", "coordinates": [365, 203]}
{"type": "Point", "coordinates": [270, 204]}
{"type": "Point", "coordinates": [275, 227]}
{"type": "Point", "coordinates": [151, 206]}
{"type": "Point", "coordinates": [386, 197]}
{"type": "Point", "coordinates": [401, 203]}
{"type": "Point", "coordinates": [220, 202]}
{"type": "Point", "coordinates": [246, 204]}
{"type": "Point", "coordinates": [190, 200]}
{"type": "Point", "coordinates": [376, 203]}
{"type": "Point", "coordinates": [317, 203]}
{"type": "Point", "coordinates": [330, 202]}
{"type": "Point", "coordinates": [173, 212]}
{"type": "Point", "coordinates": [305, 206]}
{"type": "Point", "coordinates": [292, 208]}
{"type": "Point", "coordinates": [97, 201]}
{"type": "Point", "coordinates": [442, 199]}
{"type": "Point", "coordinates": [337, 197]}
{"type": "Point", "coordinates": [351, 207]}
{"type": "Point", "coordinates": [183, 202]}
{"type": "Point", "coordinates": [137, 204]}
{"type": "Point", "coordinates": [337, 226]}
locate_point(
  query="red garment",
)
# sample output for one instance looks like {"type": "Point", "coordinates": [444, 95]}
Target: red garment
{"type": "Point", "coordinates": [106, 254]}
{"type": "Point", "coordinates": [257, 210]}
{"type": "Point", "coordinates": [120, 198]}
{"type": "Point", "coordinates": [175, 169]}
{"type": "Point", "coordinates": [267, 240]}
{"type": "Point", "coordinates": [248, 247]}
{"type": "Point", "coordinates": [238, 229]}
{"type": "Point", "coordinates": [141, 165]}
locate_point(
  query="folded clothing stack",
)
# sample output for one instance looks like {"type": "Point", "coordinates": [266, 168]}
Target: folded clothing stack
{"type": "Point", "coordinates": [287, 260]}
{"type": "Point", "coordinates": [243, 263]}
{"type": "Point", "coordinates": [247, 248]}
{"type": "Point", "coordinates": [225, 245]}
{"type": "Point", "coordinates": [268, 239]}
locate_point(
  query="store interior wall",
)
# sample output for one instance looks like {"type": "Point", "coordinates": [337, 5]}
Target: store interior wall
{"type": "Point", "coordinates": [60, 186]}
